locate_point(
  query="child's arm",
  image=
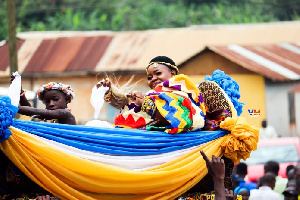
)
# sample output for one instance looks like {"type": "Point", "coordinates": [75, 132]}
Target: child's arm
{"type": "Point", "coordinates": [23, 100]}
{"type": "Point", "coordinates": [62, 115]}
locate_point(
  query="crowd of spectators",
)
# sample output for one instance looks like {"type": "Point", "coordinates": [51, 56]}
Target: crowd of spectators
{"type": "Point", "coordinates": [270, 186]}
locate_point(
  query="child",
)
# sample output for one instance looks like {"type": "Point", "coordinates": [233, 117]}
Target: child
{"type": "Point", "coordinates": [56, 97]}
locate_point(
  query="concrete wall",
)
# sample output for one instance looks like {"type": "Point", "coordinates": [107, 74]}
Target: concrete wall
{"type": "Point", "coordinates": [252, 86]}
{"type": "Point", "coordinates": [277, 105]}
{"type": "Point", "coordinates": [297, 112]}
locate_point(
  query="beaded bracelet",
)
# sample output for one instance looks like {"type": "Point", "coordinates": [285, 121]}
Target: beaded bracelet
{"type": "Point", "coordinates": [149, 107]}
{"type": "Point", "coordinates": [22, 92]}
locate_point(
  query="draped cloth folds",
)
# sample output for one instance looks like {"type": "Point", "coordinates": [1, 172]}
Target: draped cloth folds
{"type": "Point", "coordinates": [73, 173]}
{"type": "Point", "coordinates": [81, 162]}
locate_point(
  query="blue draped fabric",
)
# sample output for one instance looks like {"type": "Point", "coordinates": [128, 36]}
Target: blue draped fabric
{"type": "Point", "coordinates": [116, 141]}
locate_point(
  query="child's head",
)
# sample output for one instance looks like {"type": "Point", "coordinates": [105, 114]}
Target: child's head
{"type": "Point", "coordinates": [55, 95]}
{"type": "Point", "coordinates": [160, 69]}
{"type": "Point", "coordinates": [243, 191]}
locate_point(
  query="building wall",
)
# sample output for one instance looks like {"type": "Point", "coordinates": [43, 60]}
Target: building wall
{"type": "Point", "coordinates": [277, 104]}
{"type": "Point", "coordinates": [252, 86]}
{"type": "Point", "coordinates": [208, 61]}
{"type": "Point", "coordinates": [297, 112]}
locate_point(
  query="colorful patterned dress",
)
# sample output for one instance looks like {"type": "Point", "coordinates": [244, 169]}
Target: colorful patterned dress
{"type": "Point", "coordinates": [185, 106]}
{"type": "Point", "coordinates": [178, 100]}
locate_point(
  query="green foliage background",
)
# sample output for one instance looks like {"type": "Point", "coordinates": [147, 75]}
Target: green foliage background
{"type": "Point", "coordinates": [121, 15]}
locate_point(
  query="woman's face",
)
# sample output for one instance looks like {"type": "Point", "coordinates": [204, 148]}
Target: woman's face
{"type": "Point", "coordinates": [158, 73]}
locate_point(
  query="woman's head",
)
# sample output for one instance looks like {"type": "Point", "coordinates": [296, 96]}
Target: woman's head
{"type": "Point", "coordinates": [160, 69]}
{"type": "Point", "coordinates": [55, 95]}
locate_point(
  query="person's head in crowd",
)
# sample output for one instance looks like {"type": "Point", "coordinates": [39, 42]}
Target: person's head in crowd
{"type": "Point", "coordinates": [271, 166]}
{"type": "Point", "coordinates": [241, 170]}
{"type": "Point", "coordinates": [297, 171]}
{"type": "Point", "coordinates": [288, 169]}
{"type": "Point", "coordinates": [268, 180]}
{"type": "Point", "coordinates": [243, 191]}
{"type": "Point", "coordinates": [290, 193]}
{"type": "Point", "coordinates": [264, 124]}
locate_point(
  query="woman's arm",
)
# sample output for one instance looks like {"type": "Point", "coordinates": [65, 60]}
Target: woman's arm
{"type": "Point", "coordinates": [63, 115]}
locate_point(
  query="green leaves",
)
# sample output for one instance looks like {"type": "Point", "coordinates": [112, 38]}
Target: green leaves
{"type": "Point", "coordinates": [122, 15]}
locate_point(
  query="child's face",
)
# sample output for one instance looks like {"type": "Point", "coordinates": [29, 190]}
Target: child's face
{"type": "Point", "coordinates": [54, 99]}
{"type": "Point", "coordinates": [158, 73]}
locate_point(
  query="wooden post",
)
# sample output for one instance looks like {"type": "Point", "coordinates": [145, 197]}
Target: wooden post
{"type": "Point", "coordinates": [12, 39]}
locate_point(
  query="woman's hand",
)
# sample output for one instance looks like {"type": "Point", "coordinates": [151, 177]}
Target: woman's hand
{"type": "Point", "coordinates": [136, 97]}
{"type": "Point", "coordinates": [104, 83]}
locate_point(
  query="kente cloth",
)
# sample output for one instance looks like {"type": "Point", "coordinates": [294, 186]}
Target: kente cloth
{"type": "Point", "coordinates": [203, 196]}
{"type": "Point", "coordinates": [178, 100]}
{"type": "Point", "coordinates": [131, 116]}
{"type": "Point", "coordinates": [213, 119]}
{"type": "Point", "coordinates": [81, 162]}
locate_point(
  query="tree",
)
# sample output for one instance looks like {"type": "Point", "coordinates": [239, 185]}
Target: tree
{"type": "Point", "coordinates": [120, 15]}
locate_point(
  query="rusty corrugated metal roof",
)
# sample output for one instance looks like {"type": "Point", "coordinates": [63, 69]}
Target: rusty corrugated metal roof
{"type": "Point", "coordinates": [68, 54]}
{"type": "Point", "coordinates": [4, 58]}
{"type": "Point", "coordinates": [279, 61]}
{"type": "Point", "coordinates": [124, 51]}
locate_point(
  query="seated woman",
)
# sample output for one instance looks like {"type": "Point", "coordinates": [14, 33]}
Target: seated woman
{"type": "Point", "coordinates": [174, 104]}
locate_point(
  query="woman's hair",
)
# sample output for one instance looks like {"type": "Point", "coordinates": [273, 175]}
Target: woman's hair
{"type": "Point", "coordinates": [168, 62]}
{"type": "Point", "coordinates": [163, 59]}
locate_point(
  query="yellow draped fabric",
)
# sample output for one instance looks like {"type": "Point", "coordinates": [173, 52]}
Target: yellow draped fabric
{"type": "Point", "coordinates": [71, 177]}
